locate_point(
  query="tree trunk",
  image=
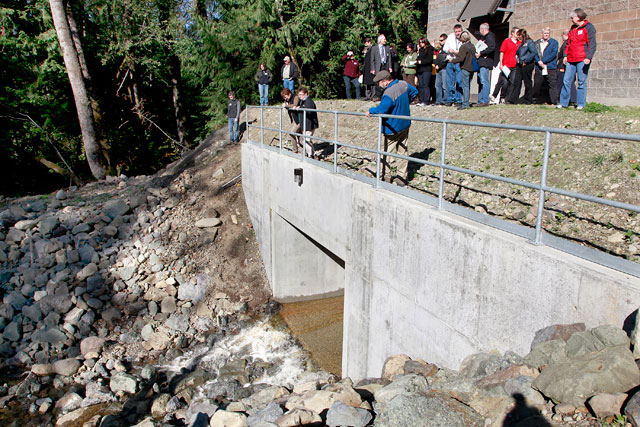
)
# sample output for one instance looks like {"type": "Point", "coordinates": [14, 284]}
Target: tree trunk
{"type": "Point", "coordinates": [174, 72]}
{"type": "Point", "coordinates": [95, 106]}
{"type": "Point", "coordinates": [292, 52]}
{"type": "Point", "coordinates": [60, 170]}
{"type": "Point", "coordinates": [85, 115]}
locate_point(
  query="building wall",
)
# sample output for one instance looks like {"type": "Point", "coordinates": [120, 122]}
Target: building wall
{"type": "Point", "coordinates": [615, 73]}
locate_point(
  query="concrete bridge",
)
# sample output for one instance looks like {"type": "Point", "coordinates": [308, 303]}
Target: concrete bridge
{"type": "Point", "coordinates": [417, 280]}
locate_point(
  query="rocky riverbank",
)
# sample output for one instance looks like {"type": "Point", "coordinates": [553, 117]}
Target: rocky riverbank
{"type": "Point", "coordinates": [143, 301]}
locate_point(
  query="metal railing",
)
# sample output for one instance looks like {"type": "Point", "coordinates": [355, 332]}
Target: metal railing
{"type": "Point", "coordinates": [442, 165]}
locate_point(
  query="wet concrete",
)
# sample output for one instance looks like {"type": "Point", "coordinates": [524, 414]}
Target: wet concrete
{"type": "Point", "coordinates": [317, 325]}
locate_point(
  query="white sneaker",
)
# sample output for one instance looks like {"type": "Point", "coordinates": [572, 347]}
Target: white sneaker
{"type": "Point", "coordinates": [492, 99]}
{"type": "Point", "coordinates": [559, 106]}
{"type": "Point", "coordinates": [579, 107]}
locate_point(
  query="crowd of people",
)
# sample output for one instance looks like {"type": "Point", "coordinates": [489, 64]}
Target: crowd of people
{"type": "Point", "coordinates": [441, 74]}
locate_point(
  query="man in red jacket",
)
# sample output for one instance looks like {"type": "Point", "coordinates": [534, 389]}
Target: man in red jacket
{"type": "Point", "coordinates": [581, 46]}
{"type": "Point", "coordinates": [351, 74]}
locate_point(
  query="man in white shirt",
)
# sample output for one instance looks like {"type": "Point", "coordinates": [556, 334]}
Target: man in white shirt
{"type": "Point", "coordinates": [454, 76]}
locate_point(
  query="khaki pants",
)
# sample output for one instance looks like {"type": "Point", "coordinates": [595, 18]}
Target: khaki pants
{"type": "Point", "coordinates": [310, 151]}
{"type": "Point", "coordinates": [397, 143]}
{"type": "Point", "coordinates": [295, 140]}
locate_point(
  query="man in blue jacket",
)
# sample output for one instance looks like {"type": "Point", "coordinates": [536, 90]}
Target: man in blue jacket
{"type": "Point", "coordinates": [546, 69]}
{"type": "Point", "coordinates": [395, 100]}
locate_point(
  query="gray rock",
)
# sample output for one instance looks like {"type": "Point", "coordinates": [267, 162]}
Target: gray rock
{"type": "Point", "coordinates": [33, 312]}
{"type": "Point", "coordinates": [204, 406]}
{"type": "Point", "coordinates": [605, 404]}
{"type": "Point", "coordinates": [430, 409]}
{"type": "Point", "coordinates": [230, 388]}
{"type": "Point", "coordinates": [632, 409]}
{"type": "Point", "coordinates": [74, 315]}
{"type": "Point", "coordinates": [269, 414]}
{"type": "Point", "coordinates": [96, 393]}
{"type": "Point", "coordinates": [12, 332]}
{"type": "Point", "coordinates": [147, 332]}
{"type": "Point", "coordinates": [404, 384]}
{"type": "Point", "coordinates": [61, 195]}
{"type": "Point", "coordinates": [88, 271]}
{"type": "Point", "coordinates": [121, 381]}
{"type": "Point", "coordinates": [340, 414]}
{"type": "Point", "coordinates": [66, 367]}
{"type": "Point", "coordinates": [556, 332]}
{"type": "Point", "coordinates": [80, 228]}
{"type": "Point", "coordinates": [59, 303]}
{"type": "Point", "coordinates": [546, 354]}
{"type": "Point", "coordinates": [91, 345]}
{"type": "Point", "coordinates": [192, 380]}
{"type": "Point", "coordinates": [51, 336]}
{"type": "Point", "coordinates": [48, 225]}
{"type": "Point", "coordinates": [69, 402]}
{"type": "Point", "coordinates": [115, 208]}
{"type": "Point", "coordinates": [14, 235]}
{"type": "Point", "coordinates": [173, 404]}
{"type": "Point", "coordinates": [481, 364]}
{"type": "Point", "coordinates": [178, 322]}
{"type": "Point", "coordinates": [86, 254]}
{"type": "Point", "coordinates": [168, 305]}
{"type": "Point", "coordinates": [582, 343]}
{"type": "Point", "coordinates": [159, 341]}
{"type": "Point", "coordinates": [111, 314]}
{"type": "Point", "coordinates": [15, 299]}
{"type": "Point", "coordinates": [611, 336]}
{"type": "Point", "coordinates": [188, 291]}
{"type": "Point", "coordinates": [610, 370]}
{"type": "Point", "coordinates": [127, 272]}
{"type": "Point", "coordinates": [208, 222]}
{"type": "Point", "coordinates": [522, 385]}
{"type": "Point", "coordinates": [25, 224]}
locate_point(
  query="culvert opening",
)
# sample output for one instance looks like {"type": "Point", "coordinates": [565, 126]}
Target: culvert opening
{"type": "Point", "coordinates": [308, 279]}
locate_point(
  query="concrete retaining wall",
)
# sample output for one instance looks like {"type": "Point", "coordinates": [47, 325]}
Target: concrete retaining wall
{"type": "Point", "coordinates": [416, 280]}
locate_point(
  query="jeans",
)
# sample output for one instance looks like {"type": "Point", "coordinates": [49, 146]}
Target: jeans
{"type": "Point", "coordinates": [485, 85]}
{"type": "Point", "coordinates": [348, 81]}
{"type": "Point", "coordinates": [454, 82]}
{"type": "Point", "coordinates": [264, 94]}
{"type": "Point", "coordinates": [233, 130]}
{"type": "Point", "coordinates": [424, 91]}
{"type": "Point", "coordinates": [582, 70]}
{"type": "Point", "coordinates": [441, 87]}
{"type": "Point", "coordinates": [466, 82]}
{"type": "Point", "coordinates": [288, 84]}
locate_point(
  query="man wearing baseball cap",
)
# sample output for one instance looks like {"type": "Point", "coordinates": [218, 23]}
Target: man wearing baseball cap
{"type": "Point", "coordinates": [395, 100]}
{"type": "Point", "coordinates": [289, 73]}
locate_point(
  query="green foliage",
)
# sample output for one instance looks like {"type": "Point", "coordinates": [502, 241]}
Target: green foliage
{"type": "Point", "coordinates": [597, 160]}
{"type": "Point", "coordinates": [594, 107]}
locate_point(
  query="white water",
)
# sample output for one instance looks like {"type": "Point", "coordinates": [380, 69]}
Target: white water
{"type": "Point", "coordinates": [262, 342]}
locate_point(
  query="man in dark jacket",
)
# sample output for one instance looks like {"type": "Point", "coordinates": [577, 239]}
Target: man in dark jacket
{"type": "Point", "coordinates": [546, 69]}
{"type": "Point", "coordinates": [465, 58]}
{"type": "Point", "coordinates": [233, 116]}
{"type": "Point", "coordinates": [308, 119]}
{"type": "Point", "coordinates": [581, 46]}
{"type": "Point", "coordinates": [380, 60]}
{"type": "Point", "coordinates": [367, 77]}
{"type": "Point", "coordinates": [486, 62]}
{"type": "Point", "coordinates": [289, 73]}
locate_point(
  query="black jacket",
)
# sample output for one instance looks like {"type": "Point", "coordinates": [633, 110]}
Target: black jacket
{"type": "Point", "coordinates": [487, 57]}
{"type": "Point", "coordinates": [293, 71]}
{"type": "Point", "coordinates": [425, 60]}
{"type": "Point", "coordinates": [441, 60]}
{"type": "Point", "coordinates": [312, 117]}
{"type": "Point", "coordinates": [367, 77]}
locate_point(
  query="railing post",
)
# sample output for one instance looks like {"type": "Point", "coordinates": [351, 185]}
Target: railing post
{"type": "Point", "coordinates": [304, 131]}
{"type": "Point", "coordinates": [543, 183]}
{"type": "Point", "coordinates": [281, 144]}
{"type": "Point", "coordinates": [335, 142]}
{"type": "Point", "coordinates": [442, 163]}
{"type": "Point", "coordinates": [378, 158]}
{"type": "Point", "coordinates": [246, 115]}
{"type": "Point", "coordinates": [262, 125]}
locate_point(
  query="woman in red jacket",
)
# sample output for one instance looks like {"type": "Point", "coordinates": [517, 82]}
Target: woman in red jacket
{"type": "Point", "coordinates": [581, 46]}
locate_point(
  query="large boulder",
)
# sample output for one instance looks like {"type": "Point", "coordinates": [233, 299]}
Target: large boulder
{"type": "Point", "coordinates": [340, 414]}
{"type": "Point", "coordinates": [556, 332]}
{"type": "Point", "coordinates": [430, 409]}
{"type": "Point", "coordinates": [610, 370]}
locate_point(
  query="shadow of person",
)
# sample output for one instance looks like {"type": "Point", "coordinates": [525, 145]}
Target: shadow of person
{"type": "Point", "coordinates": [414, 167]}
{"type": "Point", "coordinates": [523, 415]}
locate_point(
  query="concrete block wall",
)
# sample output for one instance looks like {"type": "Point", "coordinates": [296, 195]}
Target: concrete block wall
{"type": "Point", "coordinates": [614, 77]}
